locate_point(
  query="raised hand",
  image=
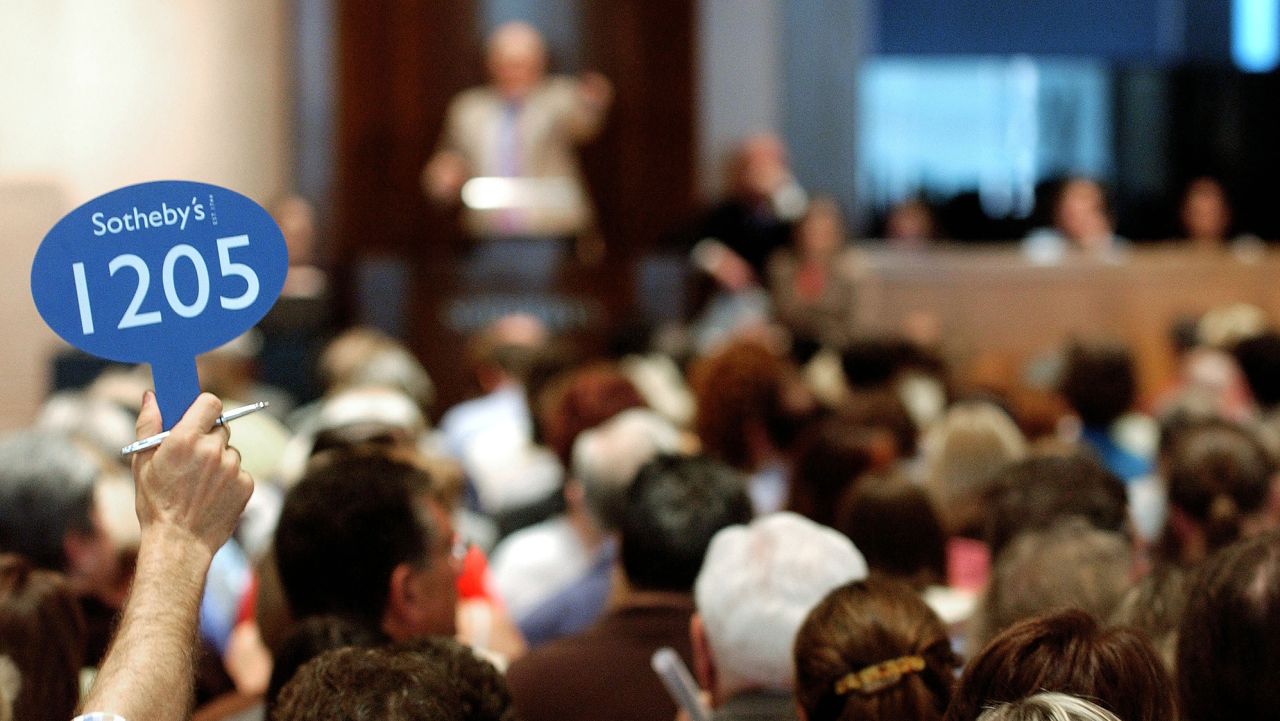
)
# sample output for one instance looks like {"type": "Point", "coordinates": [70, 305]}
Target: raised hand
{"type": "Point", "coordinates": [192, 484]}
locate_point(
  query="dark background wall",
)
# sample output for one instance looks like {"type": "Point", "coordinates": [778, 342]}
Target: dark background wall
{"type": "Point", "coordinates": [1132, 30]}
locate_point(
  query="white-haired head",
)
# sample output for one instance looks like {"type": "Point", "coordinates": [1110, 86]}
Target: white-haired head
{"type": "Point", "coordinates": [757, 584]}
{"type": "Point", "coordinates": [378, 405]}
{"type": "Point", "coordinates": [606, 458]}
{"type": "Point", "coordinates": [1048, 706]}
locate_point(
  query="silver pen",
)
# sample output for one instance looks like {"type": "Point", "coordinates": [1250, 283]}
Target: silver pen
{"type": "Point", "coordinates": [231, 415]}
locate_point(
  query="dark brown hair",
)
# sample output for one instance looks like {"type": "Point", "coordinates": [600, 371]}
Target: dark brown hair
{"type": "Point", "coordinates": [1069, 652]}
{"type": "Point", "coordinates": [1098, 382]}
{"type": "Point", "coordinates": [832, 455]}
{"type": "Point", "coordinates": [863, 624]}
{"type": "Point", "coordinates": [882, 408]}
{"type": "Point", "coordinates": [344, 528]}
{"type": "Point", "coordinates": [43, 632]}
{"type": "Point", "coordinates": [310, 638]}
{"type": "Point", "coordinates": [1217, 473]}
{"type": "Point", "coordinates": [894, 524]}
{"type": "Point", "coordinates": [1229, 641]}
{"type": "Point", "coordinates": [430, 679]}
{"type": "Point", "coordinates": [1037, 492]}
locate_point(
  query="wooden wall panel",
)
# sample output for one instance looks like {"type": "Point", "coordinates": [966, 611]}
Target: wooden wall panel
{"type": "Point", "coordinates": [993, 307]}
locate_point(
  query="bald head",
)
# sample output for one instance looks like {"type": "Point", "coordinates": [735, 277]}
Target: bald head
{"type": "Point", "coordinates": [517, 58]}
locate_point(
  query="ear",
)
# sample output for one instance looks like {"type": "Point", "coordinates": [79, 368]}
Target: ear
{"type": "Point", "coordinates": [704, 666]}
{"type": "Point", "coordinates": [400, 615]}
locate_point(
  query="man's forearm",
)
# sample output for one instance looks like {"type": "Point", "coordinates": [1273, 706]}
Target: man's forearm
{"type": "Point", "coordinates": [148, 674]}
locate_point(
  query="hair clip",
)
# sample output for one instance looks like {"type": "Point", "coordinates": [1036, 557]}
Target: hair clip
{"type": "Point", "coordinates": [879, 676]}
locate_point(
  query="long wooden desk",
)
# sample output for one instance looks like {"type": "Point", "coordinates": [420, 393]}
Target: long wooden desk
{"type": "Point", "coordinates": [993, 306]}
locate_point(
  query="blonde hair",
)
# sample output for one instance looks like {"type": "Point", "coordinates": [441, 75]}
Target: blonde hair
{"type": "Point", "coordinates": [964, 452]}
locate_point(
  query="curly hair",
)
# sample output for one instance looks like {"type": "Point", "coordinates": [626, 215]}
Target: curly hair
{"type": "Point", "coordinates": [436, 679]}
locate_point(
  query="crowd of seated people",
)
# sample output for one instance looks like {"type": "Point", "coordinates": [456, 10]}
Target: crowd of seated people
{"type": "Point", "coordinates": [803, 557]}
{"type": "Point", "coordinates": [819, 522]}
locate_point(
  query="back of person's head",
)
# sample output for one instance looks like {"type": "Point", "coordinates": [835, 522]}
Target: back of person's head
{"type": "Point", "coordinates": [739, 393]}
{"type": "Point", "coordinates": [367, 414]}
{"type": "Point", "coordinates": [1071, 565]}
{"type": "Point", "coordinates": [100, 422]}
{"type": "Point", "coordinates": [47, 492]}
{"type": "Point", "coordinates": [508, 349]}
{"type": "Point", "coordinates": [757, 584]}
{"type": "Point", "coordinates": [1048, 706]}
{"type": "Point", "coordinates": [347, 525]}
{"type": "Point", "coordinates": [436, 679]}
{"type": "Point", "coordinates": [883, 408]}
{"type": "Point", "coordinates": [1099, 382]}
{"type": "Point", "coordinates": [1068, 652]}
{"type": "Point", "coordinates": [364, 357]}
{"type": "Point", "coordinates": [963, 454]}
{"type": "Point", "coordinates": [834, 454]}
{"type": "Point", "coordinates": [894, 525]}
{"type": "Point", "coordinates": [606, 459]}
{"type": "Point", "coordinates": [673, 509]}
{"type": "Point", "coordinates": [1037, 492]}
{"type": "Point", "coordinates": [1229, 642]}
{"type": "Point", "coordinates": [581, 399]}
{"type": "Point", "coordinates": [43, 633]}
{"type": "Point", "coordinates": [871, 363]}
{"type": "Point", "coordinates": [1223, 326]}
{"type": "Point", "coordinates": [873, 650]}
{"type": "Point", "coordinates": [1218, 474]}
{"type": "Point", "coordinates": [1259, 360]}
{"type": "Point", "coordinates": [310, 638]}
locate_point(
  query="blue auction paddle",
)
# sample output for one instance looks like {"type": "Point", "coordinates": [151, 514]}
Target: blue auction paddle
{"type": "Point", "coordinates": [158, 273]}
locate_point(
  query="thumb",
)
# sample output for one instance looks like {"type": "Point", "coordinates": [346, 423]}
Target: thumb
{"type": "Point", "coordinates": [149, 422]}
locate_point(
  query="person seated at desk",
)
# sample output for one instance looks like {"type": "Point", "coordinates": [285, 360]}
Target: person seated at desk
{"type": "Point", "coordinates": [911, 225]}
{"type": "Point", "coordinates": [813, 282]}
{"type": "Point", "coordinates": [1081, 221]}
{"type": "Point", "coordinates": [1207, 220]}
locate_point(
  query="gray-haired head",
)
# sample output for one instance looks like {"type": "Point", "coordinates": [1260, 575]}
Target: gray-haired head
{"type": "Point", "coordinates": [46, 491]}
{"type": "Point", "coordinates": [101, 422]}
{"type": "Point", "coordinates": [1071, 564]}
{"type": "Point", "coordinates": [607, 458]}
